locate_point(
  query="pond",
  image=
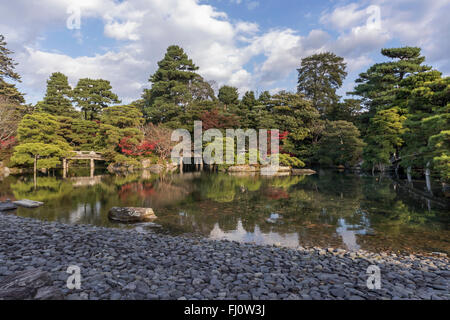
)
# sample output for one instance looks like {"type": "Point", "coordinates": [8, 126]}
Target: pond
{"type": "Point", "coordinates": [330, 209]}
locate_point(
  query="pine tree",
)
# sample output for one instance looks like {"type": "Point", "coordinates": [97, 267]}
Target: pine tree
{"type": "Point", "coordinates": [92, 96]}
{"type": "Point", "coordinates": [319, 76]}
{"type": "Point", "coordinates": [57, 100]}
{"type": "Point", "coordinates": [380, 89]}
{"type": "Point", "coordinates": [379, 85]}
{"type": "Point", "coordinates": [39, 141]}
{"type": "Point", "coordinates": [340, 144]}
{"type": "Point", "coordinates": [7, 66]}
{"type": "Point", "coordinates": [384, 137]}
{"type": "Point", "coordinates": [175, 86]}
{"type": "Point", "coordinates": [228, 95]}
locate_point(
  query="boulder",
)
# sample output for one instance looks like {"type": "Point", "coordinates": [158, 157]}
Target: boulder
{"type": "Point", "coordinates": [303, 172]}
{"type": "Point", "coordinates": [131, 215]}
{"type": "Point", "coordinates": [4, 171]}
{"type": "Point", "coordinates": [243, 168]}
{"type": "Point", "coordinates": [29, 284]}
{"type": "Point", "coordinates": [28, 203]}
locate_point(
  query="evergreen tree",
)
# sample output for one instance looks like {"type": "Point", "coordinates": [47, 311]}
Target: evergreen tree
{"type": "Point", "coordinates": [379, 85]}
{"type": "Point", "coordinates": [380, 89]}
{"type": "Point", "coordinates": [340, 144]}
{"type": "Point", "coordinates": [7, 66]}
{"type": "Point", "coordinates": [294, 114]}
{"type": "Point", "coordinates": [414, 97]}
{"type": "Point", "coordinates": [57, 100]}
{"type": "Point", "coordinates": [264, 98]}
{"type": "Point", "coordinates": [229, 96]}
{"type": "Point", "coordinates": [319, 76]}
{"type": "Point", "coordinates": [249, 100]}
{"type": "Point", "coordinates": [39, 141]}
{"type": "Point", "coordinates": [175, 85]}
{"type": "Point", "coordinates": [427, 135]}
{"type": "Point", "coordinates": [348, 110]}
{"type": "Point", "coordinates": [122, 117]}
{"type": "Point", "coordinates": [83, 134]}
{"type": "Point", "coordinates": [92, 96]}
{"type": "Point", "coordinates": [384, 137]}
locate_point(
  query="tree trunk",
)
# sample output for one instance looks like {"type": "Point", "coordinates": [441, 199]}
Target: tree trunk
{"type": "Point", "coordinates": [428, 178]}
{"type": "Point", "coordinates": [408, 174]}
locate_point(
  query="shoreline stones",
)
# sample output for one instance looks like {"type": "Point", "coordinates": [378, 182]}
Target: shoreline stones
{"type": "Point", "coordinates": [31, 284]}
{"type": "Point", "coordinates": [128, 265]}
{"type": "Point", "coordinates": [131, 215]}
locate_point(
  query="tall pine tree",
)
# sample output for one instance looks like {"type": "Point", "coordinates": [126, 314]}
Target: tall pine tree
{"type": "Point", "coordinates": [319, 76]}
{"type": "Point", "coordinates": [7, 66]}
{"type": "Point", "coordinates": [175, 86]}
{"type": "Point", "coordinates": [92, 96]}
{"type": "Point", "coordinates": [57, 100]}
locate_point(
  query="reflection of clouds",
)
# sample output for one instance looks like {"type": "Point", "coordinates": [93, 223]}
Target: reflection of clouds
{"type": "Point", "coordinates": [241, 235]}
{"type": "Point", "coordinates": [348, 236]}
{"type": "Point", "coordinates": [78, 214]}
{"type": "Point", "coordinates": [83, 210]}
{"type": "Point", "coordinates": [348, 232]}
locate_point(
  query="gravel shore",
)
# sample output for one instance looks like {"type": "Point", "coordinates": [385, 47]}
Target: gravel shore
{"type": "Point", "coordinates": [124, 264]}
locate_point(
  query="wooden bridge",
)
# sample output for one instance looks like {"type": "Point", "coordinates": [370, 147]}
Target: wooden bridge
{"type": "Point", "coordinates": [83, 155]}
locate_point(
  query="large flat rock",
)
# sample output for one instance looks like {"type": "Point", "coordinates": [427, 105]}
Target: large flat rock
{"type": "Point", "coordinates": [28, 203]}
{"type": "Point", "coordinates": [131, 215]}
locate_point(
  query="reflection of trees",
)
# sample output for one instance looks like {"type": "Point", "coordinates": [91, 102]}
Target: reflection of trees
{"type": "Point", "coordinates": [45, 189]}
{"type": "Point", "coordinates": [311, 207]}
{"type": "Point", "coordinates": [388, 210]}
{"type": "Point", "coordinates": [286, 182]}
{"type": "Point", "coordinates": [224, 188]}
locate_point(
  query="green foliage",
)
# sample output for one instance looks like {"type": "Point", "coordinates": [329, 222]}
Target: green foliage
{"type": "Point", "coordinates": [175, 86]}
{"type": "Point", "coordinates": [40, 127]}
{"type": "Point", "coordinates": [384, 137]}
{"type": "Point", "coordinates": [92, 96]}
{"type": "Point", "coordinates": [348, 110]}
{"type": "Point", "coordinates": [293, 114]}
{"type": "Point", "coordinates": [290, 161]}
{"type": "Point", "coordinates": [38, 138]}
{"type": "Point", "coordinates": [48, 156]}
{"type": "Point", "coordinates": [82, 134]}
{"type": "Point", "coordinates": [340, 144]}
{"type": "Point", "coordinates": [319, 76]}
{"type": "Point", "coordinates": [7, 66]}
{"type": "Point", "coordinates": [379, 85]}
{"type": "Point", "coordinates": [57, 100]}
{"type": "Point", "coordinates": [11, 93]}
{"type": "Point", "coordinates": [122, 117]}
{"type": "Point", "coordinates": [126, 161]}
{"type": "Point", "coordinates": [228, 95]}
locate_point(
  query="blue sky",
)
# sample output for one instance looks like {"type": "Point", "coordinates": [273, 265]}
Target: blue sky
{"type": "Point", "coordinates": [252, 44]}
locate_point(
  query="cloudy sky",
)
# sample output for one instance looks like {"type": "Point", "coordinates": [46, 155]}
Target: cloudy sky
{"type": "Point", "coordinates": [251, 44]}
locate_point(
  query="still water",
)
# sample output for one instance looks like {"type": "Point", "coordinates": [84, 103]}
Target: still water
{"type": "Point", "coordinates": [330, 209]}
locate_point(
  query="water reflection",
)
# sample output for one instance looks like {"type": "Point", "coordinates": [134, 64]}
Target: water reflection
{"type": "Point", "coordinates": [257, 236]}
{"type": "Point", "coordinates": [329, 209]}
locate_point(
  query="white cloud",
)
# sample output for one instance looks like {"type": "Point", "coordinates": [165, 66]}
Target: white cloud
{"type": "Point", "coordinates": [220, 46]}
